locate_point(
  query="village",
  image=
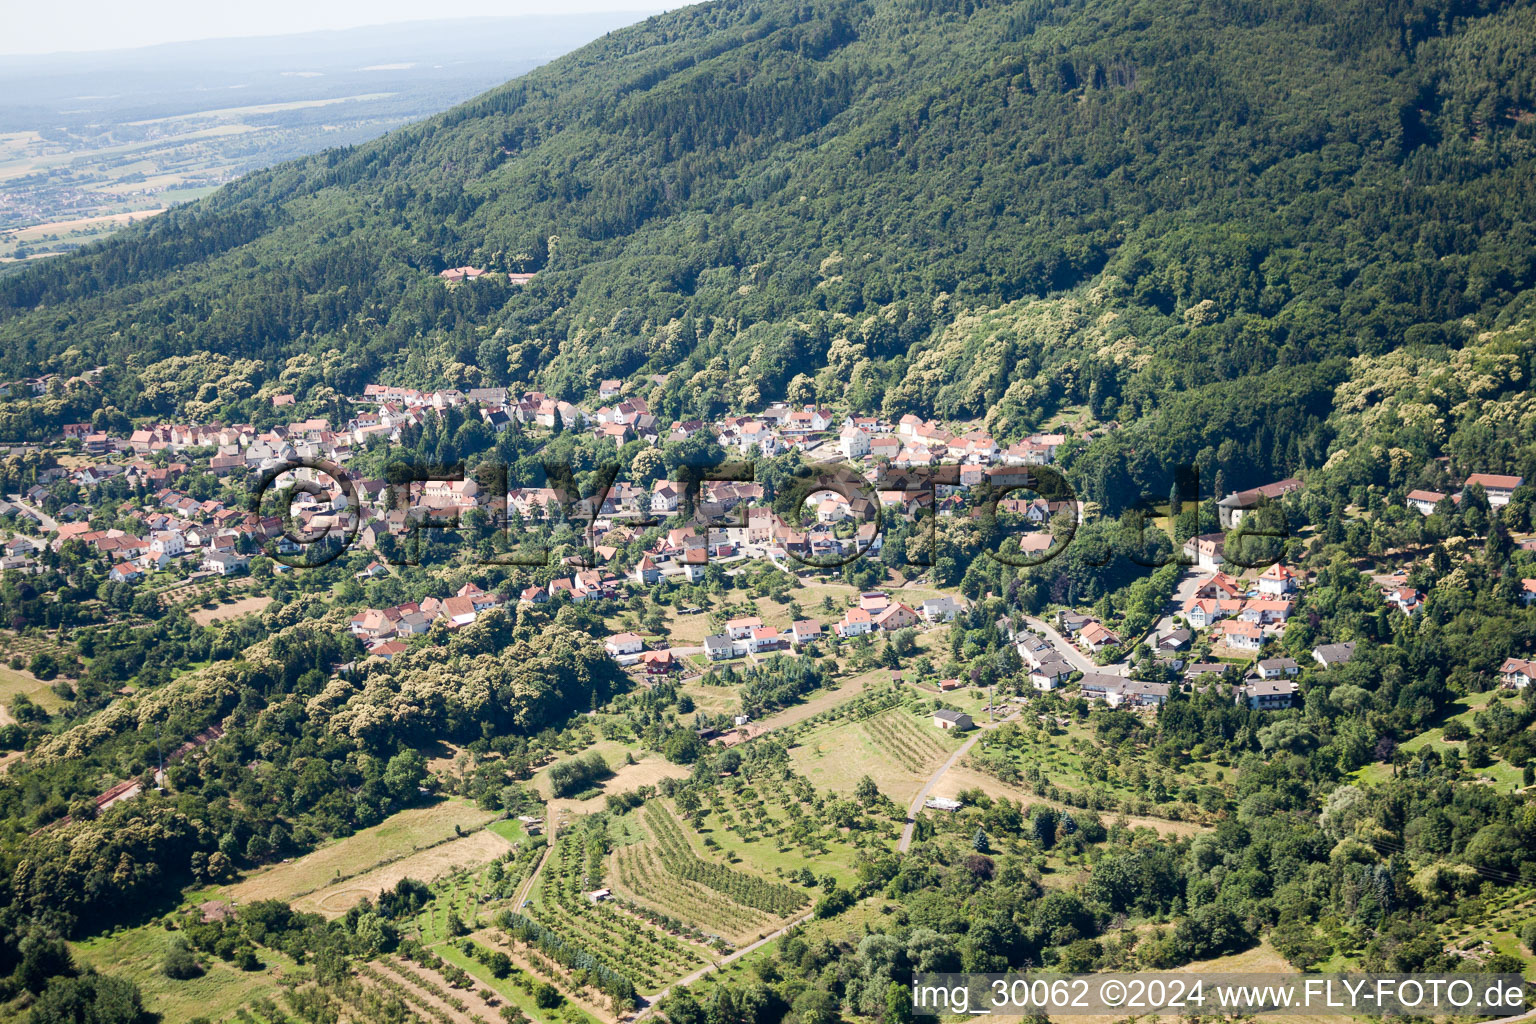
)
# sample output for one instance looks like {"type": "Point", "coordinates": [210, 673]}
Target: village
{"type": "Point", "coordinates": [906, 467]}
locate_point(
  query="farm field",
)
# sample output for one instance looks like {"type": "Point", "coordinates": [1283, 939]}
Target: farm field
{"type": "Point", "coordinates": [897, 748]}
{"type": "Point", "coordinates": [618, 939]}
{"type": "Point", "coordinates": [223, 612]}
{"type": "Point", "coordinates": [960, 778]}
{"type": "Point", "coordinates": [20, 681]}
{"type": "Point", "coordinates": [664, 873]}
{"type": "Point", "coordinates": [137, 953]}
{"type": "Point", "coordinates": [778, 826]}
{"type": "Point", "coordinates": [369, 853]}
{"type": "Point", "coordinates": [470, 851]}
{"type": "Point", "coordinates": [646, 771]}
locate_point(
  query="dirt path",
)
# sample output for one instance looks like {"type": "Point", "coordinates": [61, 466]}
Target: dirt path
{"type": "Point", "coordinates": [933, 780]}
{"type": "Point", "coordinates": [650, 1004]}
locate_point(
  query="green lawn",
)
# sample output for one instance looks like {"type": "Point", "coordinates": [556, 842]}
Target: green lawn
{"type": "Point", "coordinates": [509, 829]}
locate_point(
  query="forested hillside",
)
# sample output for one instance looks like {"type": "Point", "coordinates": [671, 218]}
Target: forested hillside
{"type": "Point", "coordinates": [815, 198]}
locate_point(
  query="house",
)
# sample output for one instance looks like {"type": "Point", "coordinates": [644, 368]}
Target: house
{"type": "Point", "coordinates": [1241, 635]}
{"type": "Point", "coordinates": [855, 622]}
{"type": "Point", "coordinates": [1098, 685]}
{"type": "Point", "coordinates": [1072, 622]}
{"type": "Point", "coordinates": [718, 647]}
{"type": "Point", "coordinates": [1277, 668]}
{"type": "Point", "coordinates": [1238, 504]}
{"type": "Point", "coordinates": [1203, 613]}
{"type": "Point", "coordinates": [945, 685]}
{"type": "Point", "coordinates": [957, 721]}
{"type": "Point", "coordinates": [623, 644]}
{"type": "Point", "coordinates": [741, 629]}
{"type": "Point", "coordinates": [609, 389]}
{"type": "Point", "coordinates": [1174, 640]}
{"type": "Point", "coordinates": [1527, 591]}
{"type": "Point", "coordinates": [1267, 611]}
{"type": "Point", "coordinates": [1032, 648]}
{"type": "Point", "coordinates": [1049, 674]}
{"type": "Point", "coordinates": [658, 663]}
{"type": "Point", "coordinates": [1405, 599]}
{"type": "Point", "coordinates": [764, 638]}
{"type": "Point", "coordinates": [645, 571]}
{"type": "Point", "coordinates": [1097, 636]}
{"type": "Point", "coordinates": [1117, 691]}
{"type": "Point", "coordinates": [125, 572]}
{"type": "Point", "coordinates": [895, 616]}
{"type": "Point", "coordinates": [665, 496]}
{"type": "Point", "coordinates": [939, 609]}
{"type": "Point", "coordinates": [1424, 502]}
{"type": "Point", "coordinates": [1206, 550]}
{"type": "Point", "coordinates": [1277, 581]}
{"type": "Point", "coordinates": [1267, 695]}
{"type": "Point", "coordinates": [1220, 587]}
{"type": "Point", "coordinates": [804, 631]}
{"type": "Point", "coordinates": [853, 442]}
{"type": "Point", "coordinates": [1517, 673]}
{"type": "Point", "coordinates": [372, 624]}
{"type": "Point", "coordinates": [1329, 655]}
{"type": "Point", "coordinates": [225, 563]}
{"type": "Point", "coordinates": [1499, 489]}
{"type": "Point", "coordinates": [874, 600]}
{"type": "Point", "coordinates": [1195, 673]}
{"type": "Point", "coordinates": [1136, 693]}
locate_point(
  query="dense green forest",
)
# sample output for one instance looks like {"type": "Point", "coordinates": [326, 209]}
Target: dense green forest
{"type": "Point", "coordinates": [953, 208]}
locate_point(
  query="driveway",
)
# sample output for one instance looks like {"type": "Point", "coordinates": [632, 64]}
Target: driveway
{"type": "Point", "coordinates": [1189, 582]}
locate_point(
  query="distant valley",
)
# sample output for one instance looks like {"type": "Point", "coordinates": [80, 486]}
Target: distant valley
{"type": "Point", "coordinates": [92, 142]}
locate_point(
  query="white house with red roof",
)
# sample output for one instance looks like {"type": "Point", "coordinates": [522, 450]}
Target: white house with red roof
{"type": "Point", "coordinates": [855, 622]}
{"type": "Point", "coordinates": [741, 629]}
{"type": "Point", "coordinates": [1499, 488]}
{"type": "Point", "coordinates": [1277, 581]}
{"type": "Point", "coordinates": [622, 644]}
{"type": "Point", "coordinates": [1240, 635]}
{"type": "Point", "coordinates": [1424, 502]}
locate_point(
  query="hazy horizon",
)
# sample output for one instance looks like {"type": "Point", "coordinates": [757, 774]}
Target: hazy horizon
{"type": "Point", "coordinates": [94, 26]}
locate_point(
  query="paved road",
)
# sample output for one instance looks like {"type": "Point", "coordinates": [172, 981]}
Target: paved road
{"type": "Point", "coordinates": [49, 524]}
{"type": "Point", "coordinates": [1076, 658]}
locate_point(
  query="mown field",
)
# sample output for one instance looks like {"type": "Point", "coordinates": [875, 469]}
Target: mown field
{"type": "Point", "coordinates": [368, 858]}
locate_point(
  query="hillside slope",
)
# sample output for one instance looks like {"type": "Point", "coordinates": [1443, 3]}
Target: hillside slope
{"type": "Point", "coordinates": [1244, 194]}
